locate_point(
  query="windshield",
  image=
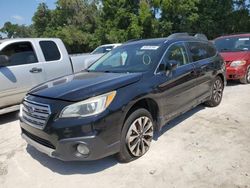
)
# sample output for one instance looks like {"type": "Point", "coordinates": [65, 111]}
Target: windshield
{"type": "Point", "coordinates": [129, 58]}
{"type": "Point", "coordinates": [233, 44]}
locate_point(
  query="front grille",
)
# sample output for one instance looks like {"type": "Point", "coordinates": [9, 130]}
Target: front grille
{"type": "Point", "coordinates": [35, 114]}
{"type": "Point", "coordinates": [38, 139]}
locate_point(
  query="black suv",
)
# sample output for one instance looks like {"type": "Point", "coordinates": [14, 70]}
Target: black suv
{"type": "Point", "coordinates": [119, 102]}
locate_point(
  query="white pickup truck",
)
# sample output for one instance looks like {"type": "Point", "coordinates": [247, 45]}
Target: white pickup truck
{"type": "Point", "coordinates": [25, 63]}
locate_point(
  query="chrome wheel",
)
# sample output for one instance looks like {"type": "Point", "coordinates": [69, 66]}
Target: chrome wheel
{"type": "Point", "coordinates": [139, 136]}
{"type": "Point", "coordinates": [217, 90]}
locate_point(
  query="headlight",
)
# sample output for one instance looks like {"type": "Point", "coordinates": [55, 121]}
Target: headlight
{"type": "Point", "coordinates": [88, 107]}
{"type": "Point", "coordinates": [237, 63]}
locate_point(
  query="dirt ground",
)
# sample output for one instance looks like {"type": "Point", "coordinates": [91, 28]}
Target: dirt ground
{"type": "Point", "coordinates": [204, 148]}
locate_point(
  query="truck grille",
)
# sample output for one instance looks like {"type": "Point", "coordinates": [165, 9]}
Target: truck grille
{"type": "Point", "coordinates": [35, 114]}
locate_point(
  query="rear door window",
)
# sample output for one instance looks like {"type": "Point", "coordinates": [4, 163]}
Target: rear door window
{"type": "Point", "coordinates": [211, 50]}
{"type": "Point", "coordinates": [50, 50]}
{"type": "Point", "coordinates": [201, 50]}
{"type": "Point", "coordinates": [19, 53]}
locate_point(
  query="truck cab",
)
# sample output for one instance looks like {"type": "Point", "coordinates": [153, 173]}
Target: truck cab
{"type": "Point", "coordinates": [27, 62]}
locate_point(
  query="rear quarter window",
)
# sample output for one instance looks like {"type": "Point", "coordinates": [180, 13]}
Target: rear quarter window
{"type": "Point", "coordinates": [50, 50]}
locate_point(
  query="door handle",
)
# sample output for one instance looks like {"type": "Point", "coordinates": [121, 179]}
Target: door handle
{"type": "Point", "coordinates": [36, 70]}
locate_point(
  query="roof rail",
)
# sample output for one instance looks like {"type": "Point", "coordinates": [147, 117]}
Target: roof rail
{"type": "Point", "coordinates": [131, 40]}
{"type": "Point", "coordinates": [201, 36]}
{"type": "Point", "coordinates": [177, 35]}
{"type": "Point", "coordinates": [197, 35]}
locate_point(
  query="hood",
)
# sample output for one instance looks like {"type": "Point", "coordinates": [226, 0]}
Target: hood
{"type": "Point", "coordinates": [234, 56]}
{"type": "Point", "coordinates": [83, 85]}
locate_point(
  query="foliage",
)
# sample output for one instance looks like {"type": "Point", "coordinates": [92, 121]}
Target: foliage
{"type": "Point", "coordinates": [85, 24]}
{"type": "Point", "coordinates": [15, 30]}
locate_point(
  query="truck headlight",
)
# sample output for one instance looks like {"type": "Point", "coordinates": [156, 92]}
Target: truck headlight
{"type": "Point", "coordinates": [237, 63]}
{"type": "Point", "coordinates": [89, 107]}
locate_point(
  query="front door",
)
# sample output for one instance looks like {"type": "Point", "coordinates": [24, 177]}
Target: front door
{"type": "Point", "coordinates": [21, 74]}
{"type": "Point", "coordinates": [177, 87]}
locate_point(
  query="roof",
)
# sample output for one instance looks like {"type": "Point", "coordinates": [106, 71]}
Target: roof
{"type": "Point", "coordinates": [234, 35]}
{"type": "Point", "coordinates": [153, 40]}
{"type": "Point", "coordinates": [161, 41]}
{"type": "Point", "coordinates": [25, 39]}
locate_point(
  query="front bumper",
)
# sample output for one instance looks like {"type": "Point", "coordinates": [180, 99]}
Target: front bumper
{"type": "Point", "coordinates": [66, 149]}
{"type": "Point", "coordinates": [59, 138]}
{"type": "Point", "coordinates": [235, 73]}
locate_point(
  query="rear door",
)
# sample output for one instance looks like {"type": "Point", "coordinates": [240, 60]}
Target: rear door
{"type": "Point", "coordinates": [177, 87]}
{"type": "Point", "coordinates": [55, 59]}
{"type": "Point", "coordinates": [21, 74]}
{"type": "Point", "coordinates": [203, 57]}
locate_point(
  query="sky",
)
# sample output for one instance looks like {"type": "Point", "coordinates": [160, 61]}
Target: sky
{"type": "Point", "coordinates": [20, 11]}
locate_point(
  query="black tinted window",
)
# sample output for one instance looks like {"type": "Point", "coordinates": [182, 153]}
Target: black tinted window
{"type": "Point", "coordinates": [19, 53]}
{"type": "Point", "coordinates": [211, 50]}
{"type": "Point", "coordinates": [50, 50]}
{"type": "Point", "coordinates": [201, 50]}
{"type": "Point", "coordinates": [176, 52]}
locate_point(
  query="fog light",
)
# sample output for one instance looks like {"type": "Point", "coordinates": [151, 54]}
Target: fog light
{"type": "Point", "coordinates": [82, 149]}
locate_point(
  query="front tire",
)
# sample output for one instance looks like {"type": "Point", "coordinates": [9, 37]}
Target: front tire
{"type": "Point", "coordinates": [246, 79]}
{"type": "Point", "coordinates": [217, 93]}
{"type": "Point", "coordinates": [136, 137]}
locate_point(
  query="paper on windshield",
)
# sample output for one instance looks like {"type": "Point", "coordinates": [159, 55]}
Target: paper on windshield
{"type": "Point", "coordinates": [243, 38]}
{"type": "Point", "coordinates": [150, 47]}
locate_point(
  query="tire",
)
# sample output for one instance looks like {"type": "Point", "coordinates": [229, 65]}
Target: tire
{"type": "Point", "coordinates": [217, 93]}
{"type": "Point", "coordinates": [246, 79]}
{"type": "Point", "coordinates": [136, 136]}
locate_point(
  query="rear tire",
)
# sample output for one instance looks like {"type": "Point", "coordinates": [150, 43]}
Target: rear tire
{"type": "Point", "coordinates": [246, 79]}
{"type": "Point", "coordinates": [217, 93]}
{"type": "Point", "coordinates": [136, 136]}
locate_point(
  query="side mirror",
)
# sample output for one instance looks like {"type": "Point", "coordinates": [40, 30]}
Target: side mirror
{"type": "Point", "coordinates": [4, 60]}
{"type": "Point", "coordinates": [172, 65]}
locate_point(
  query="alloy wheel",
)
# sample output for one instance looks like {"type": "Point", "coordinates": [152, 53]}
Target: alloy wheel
{"type": "Point", "coordinates": [139, 136]}
{"type": "Point", "coordinates": [217, 90]}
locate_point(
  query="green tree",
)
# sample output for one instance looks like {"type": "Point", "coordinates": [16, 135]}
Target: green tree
{"type": "Point", "coordinates": [240, 21]}
{"type": "Point", "coordinates": [146, 19]}
{"type": "Point", "coordinates": [178, 16]}
{"type": "Point", "coordinates": [41, 19]}
{"type": "Point", "coordinates": [15, 30]}
{"type": "Point", "coordinates": [118, 21]}
{"type": "Point", "coordinates": [122, 20]}
{"type": "Point", "coordinates": [74, 21]}
{"type": "Point", "coordinates": [214, 17]}
{"type": "Point", "coordinates": [85, 24]}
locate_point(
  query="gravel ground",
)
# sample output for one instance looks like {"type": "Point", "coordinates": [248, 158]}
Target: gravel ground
{"type": "Point", "coordinates": [206, 147]}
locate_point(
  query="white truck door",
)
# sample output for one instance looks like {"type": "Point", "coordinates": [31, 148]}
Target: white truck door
{"type": "Point", "coordinates": [56, 61]}
{"type": "Point", "coordinates": [22, 72]}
